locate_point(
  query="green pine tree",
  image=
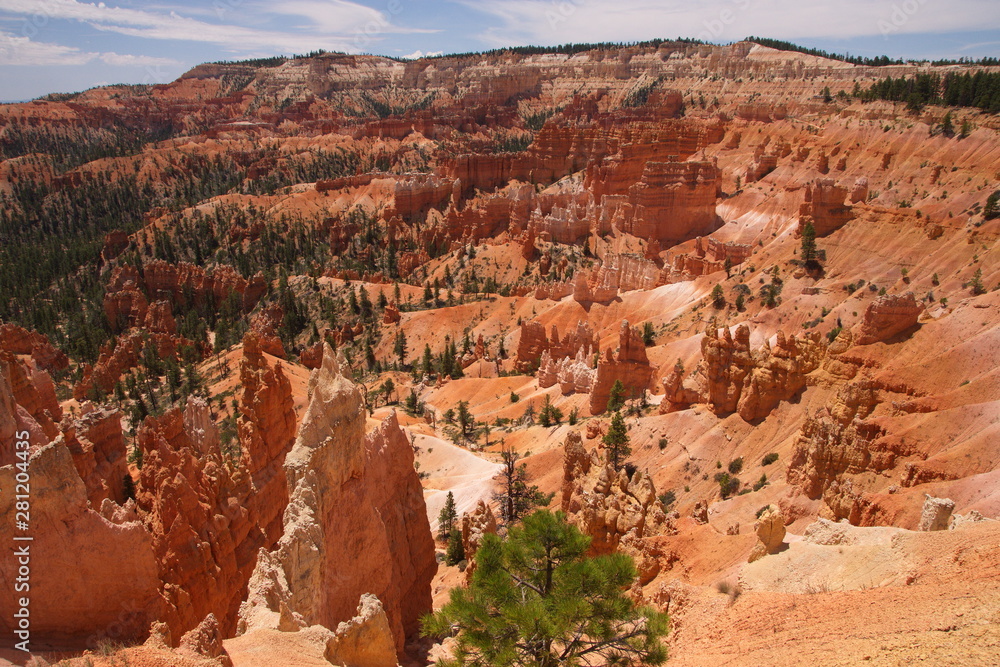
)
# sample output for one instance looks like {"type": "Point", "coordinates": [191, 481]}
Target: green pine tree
{"type": "Point", "coordinates": [648, 334]}
{"type": "Point", "coordinates": [808, 243]}
{"type": "Point", "coordinates": [465, 419]}
{"type": "Point", "coordinates": [515, 496]}
{"type": "Point", "coordinates": [427, 362]}
{"type": "Point", "coordinates": [616, 442]}
{"type": "Point", "coordinates": [455, 553]}
{"type": "Point", "coordinates": [947, 127]}
{"type": "Point", "coordinates": [549, 414]}
{"type": "Point", "coordinates": [616, 397]}
{"type": "Point", "coordinates": [412, 404]}
{"type": "Point", "coordinates": [399, 347]}
{"type": "Point", "coordinates": [387, 389]}
{"type": "Point", "coordinates": [718, 296]}
{"type": "Point", "coordinates": [447, 517]}
{"type": "Point", "coordinates": [537, 599]}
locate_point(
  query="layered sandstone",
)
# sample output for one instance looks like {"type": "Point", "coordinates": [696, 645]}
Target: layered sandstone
{"type": "Point", "coordinates": [129, 291]}
{"type": "Point", "coordinates": [205, 641]}
{"type": "Point", "coordinates": [888, 316]}
{"type": "Point", "coordinates": [629, 365]}
{"type": "Point", "coordinates": [115, 358]}
{"type": "Point", "coordinates": [759, 112]}
{"type": "Point", "coordinates": [160, 318]}
{"type": "Point", "coordinates": [365, 640]}
{"type": "Point", "coordinates": [726, 364]}
{"type": "Point", "coordinates": [114, 590]}
{"type": "Point", "coordinates": [115, 243]}
{"type": "Point", "coordinates": [779, 373]}
{"type": "Point", "coordinates": [733, 378]}
{"type": "Point", "coordinates": [34, 391]}
{"type": "Point", "coordinates": [391, 314]}
{"type": "Point", "coordinates": [126, 307]}
{"type": "Point", "coordinates": [598, 285]}
{"type": "Point", "coordinates": [709, 256]}
{"type": "Point", "coordinates": [476, 525]}
{"type": "Point", "coordinates": [770, 529]}
{"type": "Point", "coordinates": [824, 207]}
{"type": "Point", "coordinates": [312, 356]}
{"type": "Point", "coordinates": [676, 394]}
{"type": "Point", "coordinates": [859, 193]}
{"type": "Point", "coordinates": [121, 355]}
{"type": "Point", "coordinates": [616, 273]}
{"type": "Point", "coordinates": [17, 340]}
{"type": "Point", "coordinates": [574, 375]}
{"type": "Point", "coordinates": [534, 342]}
{"type": "Point", "coordinates": [936, 513]}
{"type": "Point", "coordinates": [208, 511]}
{"type": "Point", "coordinates": [674, 201]}
{"type": "Point", "coordinates": [615, 510]}
{"type": "Point", "coordinates": [351, 496]}
{"type": "Point", "coordinates": [763, 164]}
{"type": "Point", "coordinates": [97, 444]}
{"type": "Point", "coordinates": [837, 443]}
{"type": "Point", "coordinates": [266, 427]}
{"type": "Point", "coordinates": [264, 324]}
{"type": "Point", "coordinates": [203, 537]}
{"type": "Point", "coordinates": [114, 593]}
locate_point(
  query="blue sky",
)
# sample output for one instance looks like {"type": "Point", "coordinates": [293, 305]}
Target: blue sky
{"type": "Point", "coordinates": [68, 45]}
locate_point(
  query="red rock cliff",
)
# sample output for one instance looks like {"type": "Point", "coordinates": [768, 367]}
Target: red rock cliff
{"type": "Point", "coordinates": [356, 522]}
{"type": "Point", "coordinates": [629, 364]}
{"type": "Point", "coordinates": [113, 591]}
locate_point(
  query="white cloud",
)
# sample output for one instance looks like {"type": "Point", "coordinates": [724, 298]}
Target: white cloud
{"type": "Point", "coordinates": [331, 15]}
{"type": "Point", "coordinates": [23, 51]}
{"type": "Point", "coordinates": [978, 45]}
{"type": "Point", "coordinates": [548, 22]}
{"type": "Point", "coordinates": [126, 60]}
{"type": "Point", "coordinates": [416, 55]}
{"type": "Point", "coordinates": [330, 24]}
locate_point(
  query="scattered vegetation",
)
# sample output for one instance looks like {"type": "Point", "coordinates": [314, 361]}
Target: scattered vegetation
{"type": "Point", "coordinates": [516, 497]}
{"type": "Point", "coordinates": [781, 45]}
{"type": "Point", "coordinates": [992, 208]}
{"type": "Point", "coordinates": [536, 598]}
{"type": "Point", "coordinates": [616, 442]}
{"type": "Point", "coordinates": [447, 516]}
{"type": "Point", "coordinates": [648, 334]}
{"type": "Point", "coordinates": [809, 256]}
{"type": "Point", "coordinates": [718, 297]}
{"type": "Point", "coordinates": [455, 552]}
{"type": "Point", "coordinates": [549, 414]}
{"type": "Point", "coordinates": [729, 485]}
{"type": "Point", "coordinates": [735, 466]}
{"type": "Point", "coordinates": [616, 396]}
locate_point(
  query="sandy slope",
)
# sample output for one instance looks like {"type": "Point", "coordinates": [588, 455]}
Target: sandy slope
{"type": "Point", "coordinates": [942, 608]}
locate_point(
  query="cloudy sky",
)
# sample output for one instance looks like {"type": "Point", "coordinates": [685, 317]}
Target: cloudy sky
{"type": "Point", "coordinates": [67, 45]}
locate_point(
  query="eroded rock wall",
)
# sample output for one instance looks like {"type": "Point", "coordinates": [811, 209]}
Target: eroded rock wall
{"type": "Point", "coordinates": [628, 365]}
{"type": "Point", "coordinates": [113, 592]}
{"type": "Point", "coordinates": [356, 522]}
{"type": "Point", "coordinates": [616, 511]}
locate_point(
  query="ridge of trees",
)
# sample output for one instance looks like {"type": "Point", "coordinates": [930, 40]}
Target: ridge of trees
{"type": "Point", "coordinates": [877, 61]}
{"type": "Point", "coordinates": [782, 45]}
{"type": "Point", "coordinates": [980, 90]}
